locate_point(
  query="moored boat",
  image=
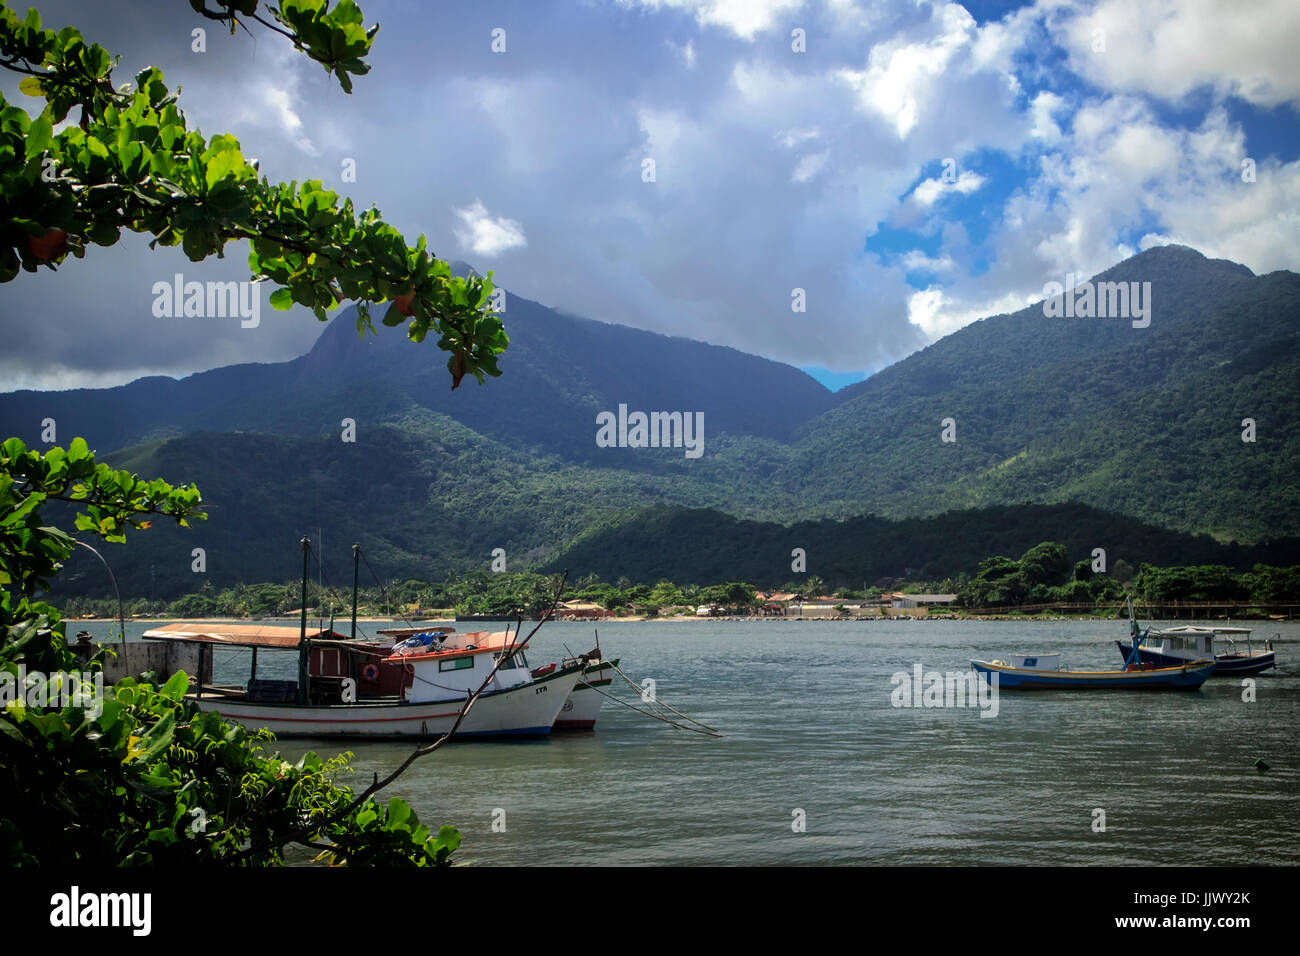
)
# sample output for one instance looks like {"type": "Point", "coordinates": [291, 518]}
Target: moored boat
{"type": "Point", "coordinates": [441, 677]}
{"type": "Point", "coordinates": [1189, 676]}
{"type": "Point", "coordinates": [1136, 675]}
{"type": "Point", "coordinates": [583, 706]}
{"type": "Point", "coordinates": [1176, 645]}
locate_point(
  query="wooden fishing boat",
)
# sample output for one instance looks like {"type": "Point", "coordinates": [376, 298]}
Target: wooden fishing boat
{"type": "Point", "coordinates": [1176, 645]}
{"type": "Point", "coordinates": [583, 706]}
{"type": "Point", "coordinates": [435, 681]}
{"type": "Point", "coordinates": [1188, 676]}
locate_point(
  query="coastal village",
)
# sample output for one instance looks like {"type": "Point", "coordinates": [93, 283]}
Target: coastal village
{"type": "Point", "coordinates": [772, 604]}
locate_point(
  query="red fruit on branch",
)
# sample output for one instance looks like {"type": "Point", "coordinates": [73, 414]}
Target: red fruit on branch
{"type": "Point", "coordinates": [403, 304]}
{"type": "Point", "coordinates": [50, 246]}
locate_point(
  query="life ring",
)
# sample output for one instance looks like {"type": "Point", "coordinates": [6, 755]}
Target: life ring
{"type": "Point", "coordinates": [370, 671]}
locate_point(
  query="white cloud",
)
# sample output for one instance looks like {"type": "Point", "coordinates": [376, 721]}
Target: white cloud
{"type": "Point", "coordinates": [486, 236]}
{"type": "Point", "coordinates": [686, 51]}
{"type": "Point", "coordinates": [793, 137]}
{"type": "Point", "coordinates": [744, 18]}
{"type": "Point", "coordinates": [269, 99]}
{"type": "Point", "coordinates": [1043, 109]}
{"type": "Point", "coordinates": [1115, 167]}
{"type": "Point", "coordinates": [280, 103]}
{"type": "Point", "coordinates": [918, 261]}
{"type": "Point", "coordinates": [809, 166]}
{"type": "Point", "coordinates": [1170, 48]}
{"type": "Point", "coordinates": [902, 77]}
{"type": "Point", "coordinates": [773, 169]}
{"type": "Point", "coordinates": [931, 189]}
{"type": "Point", "coordinates": [938, 314]}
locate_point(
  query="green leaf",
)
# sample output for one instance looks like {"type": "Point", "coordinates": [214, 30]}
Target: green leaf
{"type": "Point", "coordinates": [282, 299]}
{"type": "Point", "coordinates": [31, 86]}
{"type": "Point", "coordinates": [157, 739]}
{"type": "Point", "coordinates": [229, 162]}
{"type": "Point", "coordinates": [399, 811]}
{"type": "Point", "coordinates": [39, 136]}
{"type": "Point", "coordinates": [177, 686]}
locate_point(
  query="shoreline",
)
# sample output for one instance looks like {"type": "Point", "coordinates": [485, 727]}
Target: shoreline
{"type": "Point", "coordinates": [727, 619]}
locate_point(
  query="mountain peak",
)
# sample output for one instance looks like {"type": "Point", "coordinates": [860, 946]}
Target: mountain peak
{"type": "Point", "coordinates": [1175, 256]}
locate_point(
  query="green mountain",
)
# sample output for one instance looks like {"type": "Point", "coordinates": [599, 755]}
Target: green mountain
{"type": "Point", "coordinates": [1140, 423]}
{"type": "Point", "coordinates": [1143, 422]}
{"type": "Point", "coordinates": [709, 547]}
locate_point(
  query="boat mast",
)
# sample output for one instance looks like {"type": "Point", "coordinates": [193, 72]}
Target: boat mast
{"type": "Point", "coordinates": [303, 652]}
{"type": "Point", "coordinates": [1135, 655]}
{"type": "Point", "coordinates": [356, 570]}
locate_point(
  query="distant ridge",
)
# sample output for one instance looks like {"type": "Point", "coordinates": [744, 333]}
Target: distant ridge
{"type": "Point", "coordinates": [1146, 424]}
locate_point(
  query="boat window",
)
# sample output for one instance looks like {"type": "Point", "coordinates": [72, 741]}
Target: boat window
{"type": "Point", "coordinates": [517, 659]}
{"type": "Point", "coordinates": [456, 664]}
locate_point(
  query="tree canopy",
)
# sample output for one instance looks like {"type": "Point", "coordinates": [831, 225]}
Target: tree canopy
{"type": "Point", "coordinates": [138, 775]}
{"type": "Point", "coordinates": [131, 162]}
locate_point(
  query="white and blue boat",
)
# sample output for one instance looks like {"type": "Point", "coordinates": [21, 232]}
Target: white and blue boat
{"type": "Point", "coordinates": [1187, 676]}
{"type": "Point", "coordinates": [1177, 645]}
{"type": "Point", "coordinates": [1136, 675]}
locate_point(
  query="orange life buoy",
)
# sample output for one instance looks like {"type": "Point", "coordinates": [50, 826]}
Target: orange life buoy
{"type": "Point", "coordinates": [370, 671]}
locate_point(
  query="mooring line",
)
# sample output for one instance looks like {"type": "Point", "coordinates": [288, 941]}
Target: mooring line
{"type": "Point", "coordinates": [657, 701]}
{"type": "Point", "coordinates": [650, 713]}
{"type": "Point", "coordinates": [708, 731]}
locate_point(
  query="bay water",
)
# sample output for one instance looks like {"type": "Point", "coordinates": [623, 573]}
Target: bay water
{"type": "Point", "coordinates": [818, 766]}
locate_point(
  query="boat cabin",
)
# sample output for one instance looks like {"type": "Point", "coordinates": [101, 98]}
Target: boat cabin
{"type": "Point", "coordinates": [411, 664]}
{"type": "Point", "coordinates": [1193, 643]}
{"type": "Point", "coordinates": [457, 664]}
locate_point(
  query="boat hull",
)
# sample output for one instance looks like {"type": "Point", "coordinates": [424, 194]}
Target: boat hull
{"type": "Point", "coordinates": [583, 706]}
{"type": "Point", "coordinates": [525, 711]}
{"type": "Point", "coordinates": [1187, 676]}
{"type": "Point", "coordinates": [1225, 664]}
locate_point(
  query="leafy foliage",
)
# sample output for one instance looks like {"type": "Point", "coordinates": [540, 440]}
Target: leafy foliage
{"type": "Point", "coordinates": [133, 163]}
{"type": "Point", "coordinates": [143, 777]}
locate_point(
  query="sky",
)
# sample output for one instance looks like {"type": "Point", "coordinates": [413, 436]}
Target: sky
{"type": "Point", "coordinates": [835, 183]}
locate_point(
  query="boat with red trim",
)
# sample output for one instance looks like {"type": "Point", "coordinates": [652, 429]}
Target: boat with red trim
{"type": "Point", "coordinates": [432, 682]}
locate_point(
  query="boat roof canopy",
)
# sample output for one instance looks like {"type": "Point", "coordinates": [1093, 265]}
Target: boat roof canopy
{"type": "Point", "coordinates": [1191, 629]}
{"type": "Point", "coordinates": [241, 635]}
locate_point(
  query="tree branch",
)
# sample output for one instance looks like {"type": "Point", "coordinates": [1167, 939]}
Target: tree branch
{"type": "Point", "coordinates": [299, 835]}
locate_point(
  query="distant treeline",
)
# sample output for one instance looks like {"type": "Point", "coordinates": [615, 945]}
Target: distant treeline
{"type": "Point", "coordinates": [692, 544]}
{"type": "Point", "coordinates": [1044, 575]}
{"type": "Point", "coordinates": [1041, 575]}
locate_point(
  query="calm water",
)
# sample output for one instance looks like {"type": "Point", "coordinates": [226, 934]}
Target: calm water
{"type": "Point", "coordinates": [806, 710]}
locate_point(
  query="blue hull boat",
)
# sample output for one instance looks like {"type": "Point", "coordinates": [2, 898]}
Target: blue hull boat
{"type": "Point", "coordinates": [1184, 676]}
{"type": "Point", "coordinates": [1224, 664]}
{"type": "Point", "coordinates": [1222, 644]}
